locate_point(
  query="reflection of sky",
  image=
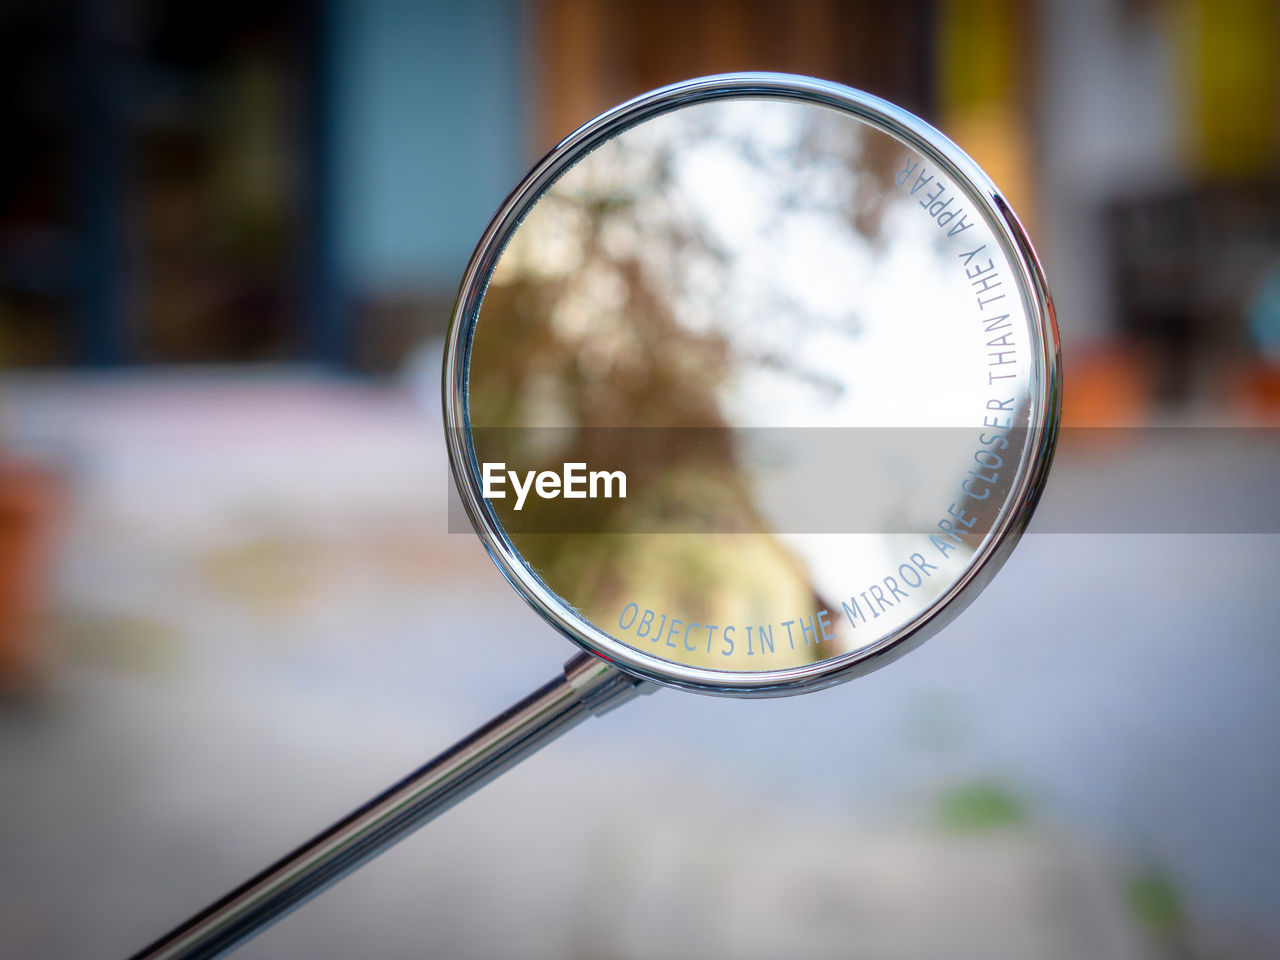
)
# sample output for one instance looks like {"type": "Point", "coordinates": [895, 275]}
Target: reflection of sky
{"type": "Point", "coordinates": [887, 323]}
{"type": "Point", "coordinates": [884, 323]}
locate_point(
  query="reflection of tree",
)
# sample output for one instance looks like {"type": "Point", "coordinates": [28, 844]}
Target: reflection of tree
{"type": "Point", "coordinates": [616, 307]}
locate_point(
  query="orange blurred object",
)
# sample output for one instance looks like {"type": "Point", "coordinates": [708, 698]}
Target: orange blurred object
{"type": "Point", "coordinates": [31, 505]}
{"type": "Point", "coordinates": [1108, 385]}
{"type": "Point", "coordinates": [1255, 391]}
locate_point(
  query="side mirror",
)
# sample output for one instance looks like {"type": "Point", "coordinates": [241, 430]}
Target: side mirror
{"type": "Point", "coordinates": [752, 385]}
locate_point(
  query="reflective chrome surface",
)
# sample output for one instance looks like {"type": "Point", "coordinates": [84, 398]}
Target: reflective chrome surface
{"type": "Point", "coordinates": [816, 341]}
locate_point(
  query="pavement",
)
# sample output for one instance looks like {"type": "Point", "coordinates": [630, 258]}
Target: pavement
{"type": "Point", "coordinates": [259, 620]}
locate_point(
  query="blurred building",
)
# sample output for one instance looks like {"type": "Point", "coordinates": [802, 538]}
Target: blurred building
{"type": "Point", "coordinates": [280, 181]}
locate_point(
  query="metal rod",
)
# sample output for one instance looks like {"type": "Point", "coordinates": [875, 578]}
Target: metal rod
{"type": "Point", "coordinates": [588, 686]}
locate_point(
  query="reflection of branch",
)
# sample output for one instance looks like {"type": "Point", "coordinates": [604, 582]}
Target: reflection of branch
{"type": "Point", "coordinates": [831, 388]}
{"type": "Point", "coordinates": [657, 317]}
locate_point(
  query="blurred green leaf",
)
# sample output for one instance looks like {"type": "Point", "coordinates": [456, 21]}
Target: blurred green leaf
{"type": "Point", "coordinates": [980, 806]}
{"type": "Point", "coordinates": [1154, 902]}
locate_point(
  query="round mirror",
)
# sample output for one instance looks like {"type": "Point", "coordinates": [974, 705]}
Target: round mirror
{"type": "Point", "coordinates": [752, 384]}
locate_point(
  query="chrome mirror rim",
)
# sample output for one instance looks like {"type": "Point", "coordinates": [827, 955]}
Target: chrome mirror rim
{"type": "Point", "coordinates": [1042, 433]}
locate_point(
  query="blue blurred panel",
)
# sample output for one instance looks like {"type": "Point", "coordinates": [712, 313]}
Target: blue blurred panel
{"type": "Point", "coordinates": [428, 135]}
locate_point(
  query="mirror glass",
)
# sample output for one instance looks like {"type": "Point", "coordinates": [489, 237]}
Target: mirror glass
{"type": "Point", "coordinates": [752, 387]}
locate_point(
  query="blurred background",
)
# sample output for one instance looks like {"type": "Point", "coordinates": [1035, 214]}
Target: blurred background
{"type": "Point", "coordinates": [230, 608]}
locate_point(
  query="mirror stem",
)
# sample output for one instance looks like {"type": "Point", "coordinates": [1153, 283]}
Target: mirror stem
{"type": "Point", "coordinates": [588, 687]}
